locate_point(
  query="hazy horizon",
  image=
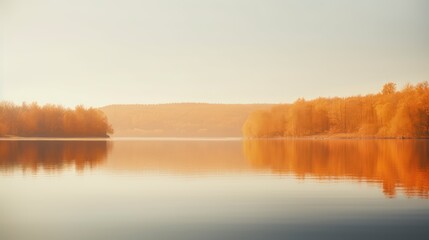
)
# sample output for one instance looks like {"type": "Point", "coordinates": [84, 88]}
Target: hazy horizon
{"type": "Point", "coordinates": [99, 53]}
{"type": "Point", "coordinates": [42, 103]}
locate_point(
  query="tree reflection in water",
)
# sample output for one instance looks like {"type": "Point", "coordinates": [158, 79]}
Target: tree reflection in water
{"type": "Point", "coordinates": [51, 155]}
{"type": "Point", "coordinates": [397, 164]}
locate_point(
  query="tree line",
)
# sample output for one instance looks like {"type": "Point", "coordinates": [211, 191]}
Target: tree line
{"type": "Point", "coordinates": [32, 120]}
{"type": "Point", "coordinates": [389, 113]}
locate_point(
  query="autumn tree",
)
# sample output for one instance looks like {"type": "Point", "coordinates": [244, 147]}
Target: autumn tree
{"type": "Point", "coordinates": [390, 113]}
{"type": "Point", "coordinates": [31, 120]}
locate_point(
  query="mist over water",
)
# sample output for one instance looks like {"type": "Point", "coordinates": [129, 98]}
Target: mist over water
{"type": "Point", "coordinates": [230, 189]}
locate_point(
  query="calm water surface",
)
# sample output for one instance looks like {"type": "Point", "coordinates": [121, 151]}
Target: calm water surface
{"type": "Point", "coordinates": [232, 189]}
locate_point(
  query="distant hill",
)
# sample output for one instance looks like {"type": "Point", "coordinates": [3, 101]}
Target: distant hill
{"type": "Point", "coordinates": [179, 119]}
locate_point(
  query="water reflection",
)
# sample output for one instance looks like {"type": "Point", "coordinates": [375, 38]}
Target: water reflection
{"type": "Point", "coordinates": [395, 163]}
{"type": "Point", "coordinates": [178, 157]}
{"type": "Point", "coordinates": [149, 190]}
{"type": "Point", "coordinates": [51, 155]}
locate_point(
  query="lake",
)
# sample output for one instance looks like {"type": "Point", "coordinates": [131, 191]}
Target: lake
{"type": "Point", "coordinates": [214, 189]}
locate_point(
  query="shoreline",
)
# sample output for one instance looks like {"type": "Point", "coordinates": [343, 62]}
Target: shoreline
{"type": "Point", "coordinates": [338, 137]}
{"type": "Point", "coordinates": [15, 138]}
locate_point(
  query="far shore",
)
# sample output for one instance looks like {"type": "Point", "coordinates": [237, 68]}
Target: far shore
{"type": "Point", "coordinates": [199, 138]}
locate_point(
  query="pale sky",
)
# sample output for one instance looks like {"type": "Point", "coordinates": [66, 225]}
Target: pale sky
{"type": "Point", "coordinates": [99, 52]}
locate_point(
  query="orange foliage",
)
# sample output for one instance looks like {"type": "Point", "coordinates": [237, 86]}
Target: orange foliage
{"type": "Point", "coordinates": [395, 163]}
{"type": "Point", "coordinates": [389, 113]}
{"type": "Point", "coordinates": [51, 155]}
{"type": "Point", "coordinates": [52, 121]}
